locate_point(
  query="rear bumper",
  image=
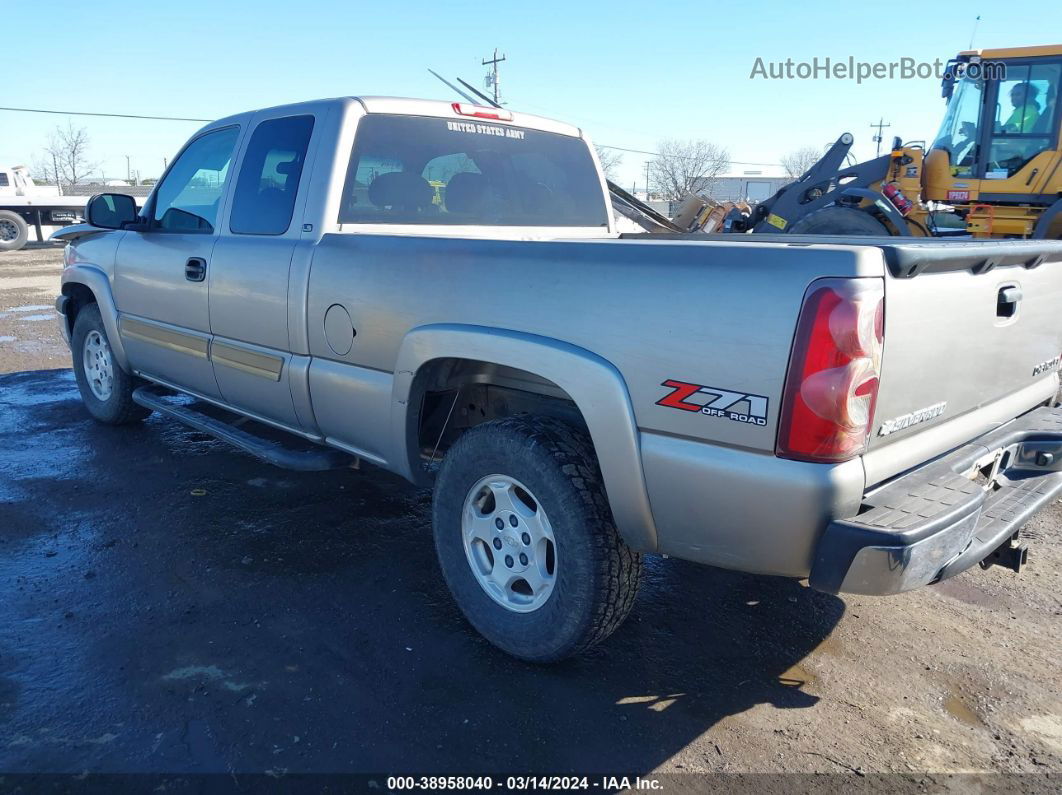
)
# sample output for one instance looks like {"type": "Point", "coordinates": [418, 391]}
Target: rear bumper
{"type": "Point", "coordinates": [937, 521]}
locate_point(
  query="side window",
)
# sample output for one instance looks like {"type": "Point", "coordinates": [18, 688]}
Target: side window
{"type": "Point", "coordinates": [187, 199]}
{"type": "Point", "coordinates": [269, 176]}
{"type": "Point", "coordinates": [4, 183]}
{"type": "Point", "coordinates": [1025, 111]}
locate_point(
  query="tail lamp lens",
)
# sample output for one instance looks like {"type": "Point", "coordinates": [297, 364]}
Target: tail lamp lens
{"type": "Point", "coordinates": [832, 383]}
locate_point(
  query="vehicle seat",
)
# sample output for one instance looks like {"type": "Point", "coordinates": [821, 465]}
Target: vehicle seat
{"type": "Point", "coordinates": [1043, 124]}
{"type": "Point", "coordinates": [466, 193]}
{"type": "Point", "coordinates": [400, 190]}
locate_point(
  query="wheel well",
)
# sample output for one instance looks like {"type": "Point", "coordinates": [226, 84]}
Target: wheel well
{"type": "Point", "coordinates": [451, 395]}
{"type": "Point", "coordinates": [80, 296]}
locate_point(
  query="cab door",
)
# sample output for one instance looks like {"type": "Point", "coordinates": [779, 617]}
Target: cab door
{"type": "Point", "coordinates": [251, 350]}
{"type": "Point", "coordinates": [1022, 135]}
{"type": "Point", "coordinates": [160, 274]}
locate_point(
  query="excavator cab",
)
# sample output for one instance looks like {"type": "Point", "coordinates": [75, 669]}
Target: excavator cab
{"type": "Point", "coordinates": [997, 157]}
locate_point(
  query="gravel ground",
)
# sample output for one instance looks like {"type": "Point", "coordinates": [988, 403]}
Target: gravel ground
{"type": "Point", "coordinates": [29, 336]}
{"type": "Point", "coordinates": [169, 605]}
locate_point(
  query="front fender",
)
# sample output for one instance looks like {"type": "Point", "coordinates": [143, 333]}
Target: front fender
{"type": "Point", "coordinates": [595, 385]}
{"type": "Point", "coordinates": [96, 280]}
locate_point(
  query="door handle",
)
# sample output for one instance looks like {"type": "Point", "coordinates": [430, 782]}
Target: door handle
{"type": "Point", "coordinates": [195, 269]}
{"type": "Point", "coordinates": [1007, 300]}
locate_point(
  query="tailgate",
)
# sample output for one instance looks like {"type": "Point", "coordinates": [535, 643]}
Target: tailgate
{"type": "Point", "coordinates": [973, 333]}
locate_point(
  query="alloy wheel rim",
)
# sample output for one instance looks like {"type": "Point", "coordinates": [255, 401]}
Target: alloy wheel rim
{"type": "Point", "coordinates": [509, 543]}
{"type": "Point", "coordinates": [99, 368]}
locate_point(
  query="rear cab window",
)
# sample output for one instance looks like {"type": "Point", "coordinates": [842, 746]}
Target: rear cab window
{"type": "Point", "coordinates": [435, 171]}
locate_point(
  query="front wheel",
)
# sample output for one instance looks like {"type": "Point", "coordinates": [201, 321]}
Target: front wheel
{"type": "Point", "coordinates": [106, 389]}
{"type": "Point", "coordinates": [526, 539]}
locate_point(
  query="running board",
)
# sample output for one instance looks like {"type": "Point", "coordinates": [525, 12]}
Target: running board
{"type": "Point", "coordinates": [315, 459]}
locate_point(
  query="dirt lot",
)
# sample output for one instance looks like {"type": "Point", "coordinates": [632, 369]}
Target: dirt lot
{"type": "Point", "coordinates": [170, 605]}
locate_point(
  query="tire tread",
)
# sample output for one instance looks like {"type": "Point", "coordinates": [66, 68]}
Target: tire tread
{"type": "Point", "coordinates": [619, 567]}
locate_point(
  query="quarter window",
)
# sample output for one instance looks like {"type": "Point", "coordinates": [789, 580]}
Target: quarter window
{"type": "Point", "coordinates": [187, 199]}
{"type": "Point", "coordinates": [269, 176]}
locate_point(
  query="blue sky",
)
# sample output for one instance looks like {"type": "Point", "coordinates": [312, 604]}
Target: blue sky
{"type": "Point", "coordinates": [630, 74]}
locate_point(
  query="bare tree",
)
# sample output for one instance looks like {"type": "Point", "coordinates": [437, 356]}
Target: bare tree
{"type": "Point", "coordinates": [685, 167]}
{"type": "Point", "coordinates": [609, 159]}
{"type": "Point", "coordinates": [44, 170]}
{"type": "Point", "coordinates": [796, 163]}
{"type": "Point", "coordinates": [67, 149]}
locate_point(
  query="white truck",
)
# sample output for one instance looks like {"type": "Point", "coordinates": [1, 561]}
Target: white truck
{"type": "Point", "coordinates": [23, 203]}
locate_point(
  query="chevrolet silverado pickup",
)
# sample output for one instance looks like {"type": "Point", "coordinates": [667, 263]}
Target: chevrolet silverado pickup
{"type": "Point", "coordinates": [440, 289]}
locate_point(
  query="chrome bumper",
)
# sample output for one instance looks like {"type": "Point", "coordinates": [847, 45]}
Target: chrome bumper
{"type": "Point", "coordinates": [944, 517]}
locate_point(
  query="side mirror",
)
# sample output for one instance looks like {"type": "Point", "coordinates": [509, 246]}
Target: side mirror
{"type": "Point", "coordinates": [111, 210]}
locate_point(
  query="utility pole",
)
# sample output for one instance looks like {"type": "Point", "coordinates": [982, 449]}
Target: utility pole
{"type": "Point", "coordinates": [492, 78]}
{"type": "Point", "coordinates": [647, 162]}
{"type": "Point", "coordinates": [877, 138]}
{"type": "Point", "coordinates": [128, 171]}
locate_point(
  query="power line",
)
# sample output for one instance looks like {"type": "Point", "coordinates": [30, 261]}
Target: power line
{"type": "Point", "coordinates": [181, 118]}
{"type": "Point", "coordinates": [657, 154]}
{"type": "Point", "coordinates": [108, 115]}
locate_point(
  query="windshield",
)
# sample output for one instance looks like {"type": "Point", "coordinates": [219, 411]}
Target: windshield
{"type": "Point", "coordinates": [421, 170]}
{"type": "Point", "coordinates": [959, 130]}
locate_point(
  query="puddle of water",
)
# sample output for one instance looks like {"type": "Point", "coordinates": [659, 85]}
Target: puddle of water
{"type": "Point", "coordinates": [797, 676]}
{"type": "Point", "coordinates": [959, 710]}
{"type": "Point", "coordinates": [7, 339]}
{"type": "Point", "coordinates": [29, 308]}
{"type": "Point", "coordinates": [37, 317]}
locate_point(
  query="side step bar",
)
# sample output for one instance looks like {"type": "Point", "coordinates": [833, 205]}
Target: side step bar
{"type": "Point", "coordinates": [311, 460]}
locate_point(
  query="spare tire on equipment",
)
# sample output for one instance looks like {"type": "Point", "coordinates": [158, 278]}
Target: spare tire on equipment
{"type": "Point", "coordinates": [835, 220]}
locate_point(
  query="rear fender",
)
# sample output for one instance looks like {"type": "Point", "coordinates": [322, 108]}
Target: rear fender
{"type": "Point", "coordinates": [593, 383]}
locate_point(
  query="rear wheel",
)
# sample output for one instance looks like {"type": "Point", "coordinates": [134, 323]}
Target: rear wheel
{"type": "Point", "coordinates": [106, 389]}
{"type": "Point", "coordinates": [14, 231]}
{"type": "Point", "coordinates": [839, 221]}
{"type": "Point", "coordinates": [526, 539]}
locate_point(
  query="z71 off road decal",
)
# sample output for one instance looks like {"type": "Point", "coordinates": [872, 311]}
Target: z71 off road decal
{"type": "Point", "coordinates": [715, 402]}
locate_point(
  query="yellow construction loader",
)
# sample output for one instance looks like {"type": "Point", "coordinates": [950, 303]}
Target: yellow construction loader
{"type": "Point", "coordinates": [994, 169]}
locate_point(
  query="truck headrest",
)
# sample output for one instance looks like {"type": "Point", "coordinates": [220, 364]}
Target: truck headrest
{"type": "Point", "coordinates": [466, 192]}
{"type": "Point", "coordinates": [401, 190]}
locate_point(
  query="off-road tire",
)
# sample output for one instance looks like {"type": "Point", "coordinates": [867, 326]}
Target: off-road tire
{"type": "Point", "coordinates": [118, 408]}
{"type": "Point", "coordinates": [597, 574]}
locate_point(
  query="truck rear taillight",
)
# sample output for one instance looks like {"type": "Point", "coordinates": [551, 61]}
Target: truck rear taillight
{"type": "Point", "coordinates": [498, 114]}
{"type": "Point", "coordinates": [832, 382]}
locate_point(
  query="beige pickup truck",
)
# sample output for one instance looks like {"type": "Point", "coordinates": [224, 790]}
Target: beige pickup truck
{"type": "Point", "coordinates": [440, 290]}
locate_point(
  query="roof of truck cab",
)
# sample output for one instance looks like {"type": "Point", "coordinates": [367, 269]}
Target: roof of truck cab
{"type": "Point", "coordinates": [1017, 52]}
{"type": "Point", "coordinates": [405, 106]}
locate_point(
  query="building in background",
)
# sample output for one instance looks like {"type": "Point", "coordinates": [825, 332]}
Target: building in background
{"type": "Point", "coordinates": [747, 183]}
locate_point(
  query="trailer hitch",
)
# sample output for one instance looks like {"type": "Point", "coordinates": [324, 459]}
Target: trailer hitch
{"type": "Point", "coordinates": [1010, 555]}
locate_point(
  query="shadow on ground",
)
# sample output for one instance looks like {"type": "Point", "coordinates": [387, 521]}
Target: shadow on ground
{"type": "Point", "coordinates": [170, 605]}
